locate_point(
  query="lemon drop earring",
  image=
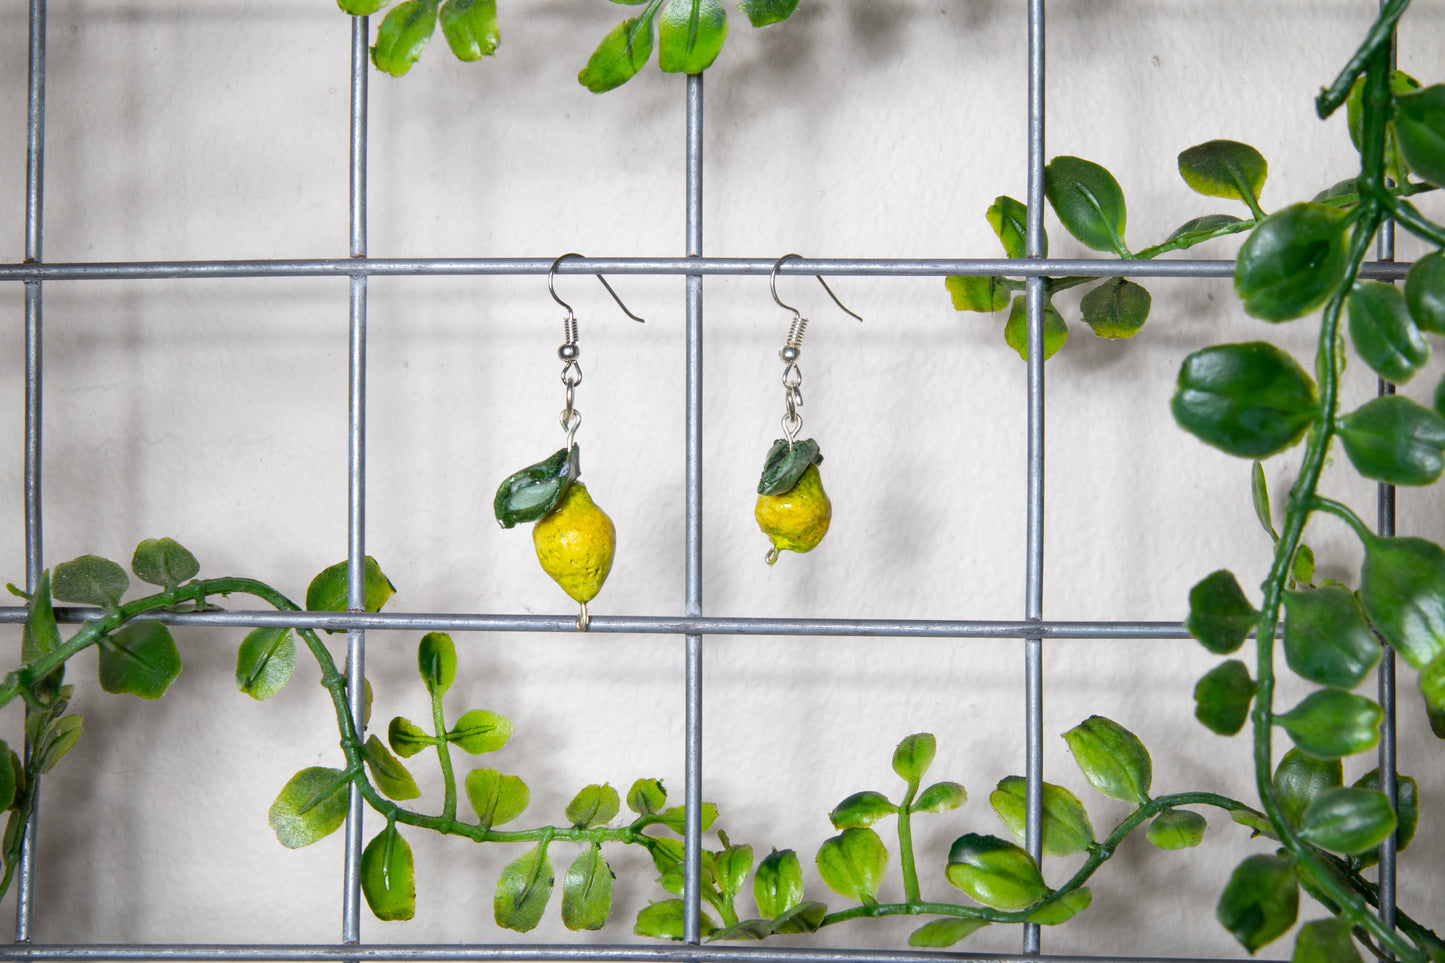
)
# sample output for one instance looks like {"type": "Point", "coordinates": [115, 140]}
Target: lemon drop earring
{"type": "Point", "coordinates": [792, 508]}
{"type": "Point", "coordinates": [574, 539]}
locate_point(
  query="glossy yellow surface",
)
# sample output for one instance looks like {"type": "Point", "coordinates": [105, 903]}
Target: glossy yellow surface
{"type": "Point", "coordinates": [796, 520]}
{"type": "Point", "coordinates": [575, 543]}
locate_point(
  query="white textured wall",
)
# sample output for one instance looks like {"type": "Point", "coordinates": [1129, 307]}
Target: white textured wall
{"type": "Point", "coordinates": [214, 411]}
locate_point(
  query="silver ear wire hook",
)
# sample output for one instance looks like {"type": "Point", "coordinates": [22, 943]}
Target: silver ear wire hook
{"type": "Point", "coordinates": [551, 272]}
{"type": "Point", "coordinates": [792, 348]}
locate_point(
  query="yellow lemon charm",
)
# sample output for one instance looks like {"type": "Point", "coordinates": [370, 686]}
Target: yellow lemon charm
{"type": "Point", "coordinates": [797, 519]}
{"type": "Point", "coordinates": [575, 542]}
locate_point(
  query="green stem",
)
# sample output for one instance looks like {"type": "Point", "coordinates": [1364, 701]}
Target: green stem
{"type": "Point", "coordinates": [444, 756]}
{"type": "Point", "coordinates": [1410, 218]}
{"type": "Point", "coordinates": [1345, 514]}
{"type": "Point", "coordinates": [911, 892]}
{"type": "Point", "coordinates": [1380, 37]}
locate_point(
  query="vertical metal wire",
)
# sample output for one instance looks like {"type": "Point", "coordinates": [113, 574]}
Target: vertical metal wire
{"type": "Point", "coordinates": [692, 853]}
{"type": "Point", "coordinates": [34, 558]}
{"type": "Point", "coordinates": [1034, 565]}
{"type": "Point", "coordinates": [356, 472]}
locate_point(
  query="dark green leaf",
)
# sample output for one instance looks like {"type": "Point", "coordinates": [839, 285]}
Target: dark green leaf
{"type": "Point", "coordinates": [913, 756]}
{"type": "Point", "coordinates": [1325, 941]}
{"type": "Point", "coordinates": [1402, 590]}
{"type": "Point", "coordinates": [994, 872]}
{"type": "Point", "coordinates": [312, 806]}
{"type": "Point", "coordinates": [327, 591]}
{"type": "Point", "coordinates": [851, 864]}
{"type": "Point", "coordinates": [60, 737]}
{"type": "Point", "coordinates": [1400, 83]}
{"type": "Point", "coordinates": [1407, 793]}
{"type": "Point", "coordinates": [8, 777]}
{"type": "Point", "coordinates": [1383, 331]}
{"type": "Point", "coordinates": [646, 797]}
{"type": "Point", "coordinates": [1205, 225]}
{"type": "Point", "coordinates": [1299, 779]}
{"type": "Point", "coordinates": [940, 797]}
{"type": "Point", "coordinates": [523, 890]}
{"type": "Point", "coordinates": [1259, 491]}
{"type": "Point", "coordinates": [1332, 723]}
{"type": "Point", "coordinates": [1015, 331]}
{"type": "Point", "coordinates": [1010, 220]}
{"type": "Point", "coordinates": [1260, 901]}
{"type": "Point", "coordinates": [1112, 758]}
{"type": "Point", "coordinates": [1177, 829]}
{"type": "Point", "coordinates": [495, 798]}
{"type": "Point", "coordinates": [403, 35]}
{"type": "Point", "coordinates": [744, 930]}
{"type": "Point", "coordinates": [1066, 826]}
{"type": "Point", "coordinates": [390, 776]}
{"type": "Point", "coordinates": [802, 918]}
{"type": "Point", "coordinates": [406, 738]}
{"type": "Point", "coordinates": [985, 294]}
{"type": "Point", "coordinates": [786, 463]}
{"type": "Point", "coordinates": [593, 806]}
{"type": "Point", "coordinates": [663, 921]}
{"type": "Point", "coordinates": [1425, 292]}
{"type": "Point", "coordinates": [690, 35]}
{"type": "Point", "coordinates": [534, 491]}
{"type": "Point", "coordinates": [732, 866]}
{"type": "Point", "coordinates": [1419, 124]}
{"type": "Point", "coordinates": [41, 633]}
{"type": "Point", "coordinates": [587, 891]}
{"type": "Point", "coordinates": [1326, 639]}
{"type": "Point", "coordinates": [861, 809]}
{"type": "Point", "coordinates": [265, 662]}
{"type": "Point", "coordinates": [1220, 615]}
{"type": "Point", "coordinates": [1063, 909]}
{"type": "Point", "coordinates": [943, 933]}
{"type": "Point", "coordinates": [164, 562]}
{"type": "Point", "coordinates": [1348, 820]}
{"type": "Point", "coordinates": [760, 13]}
{"type": "Point", "coordinates": [388, 876]}
{"type": "Point", "coordinates": [139, 659]}
{"type": "Point", "coordinates": [1292, 261]}
{"type": "Point", "coordinates": [1250, 400]}
{"type": "Point", "coordinates": [436, 661]}
{"type": "Point", "coordinates": [1088, 202]}
{"type": "Point", "coordinates": [1394, 440]}
{"type": "Point", "coordinates": [1225, 168]}
{"type": "Point", "coordinates": [480, 731]}
{"type": "Point", "coordinates": [470, 27]}
{"type": "Point", "coordinates": [1117, 308]}
{"type": "Point", "coordinates": [89, 580]}
{"type": "Point", "coordinates": [778, 883]}
{"type": "Point", "coordinates": [1222, 697]}
{"type": "Point", "coordinates": [617, 59]}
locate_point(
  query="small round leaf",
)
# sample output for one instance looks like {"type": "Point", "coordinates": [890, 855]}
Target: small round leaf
{"type": "Point", "coordinates": [1348, 820]}
{"type": "Point", "coordinates": [495, 798]}
{"type": "Point", "coordinates": [470, 27]}
{"type": "Point", "coordinates": [1425, 292]}
{"type": "Point", "coordinates": [940, 797]}
{"type": "Point", "coordinates": [164, 562]}
{"type": "Point", "coordinates": [1407, 794]}
{"type": "Point", "coordinates": [1112, 758]}
{"type": "Point", "coordinates": [1250, 400]}
{"type": "Point", "coordinates": [523, 890]}
{"type": "Point", "coordinates": [1325, 941]}
{"type": "Point", "coordinates": [1222, 697]}
{"type": "Point", "coordinates": [89, 580]}
{"type": "Point", "coordinates": [1066, 826]}
{"type": "Point", "coordinates": [265, 662]}
{"type": "Point", "coordinates": [861, 809]}
{"type": "Point", "coordinates": [1331, 723]}
{"type": "Point", "coordinates": [985, 294]}
{"type": "Point", "coordinates": [1292, 261]}
{"type": "Point", "coordinates": [436, 661]}
{"type": "Point", "coordinates": [403, 35]}
{"type": "Point", "coordinates": [913, 756]}
{"type": "Point", "coordinates": [1402, 590]}
{"type": "Point", "coordinates": [1260, 901]}
{"type": "Point", "coordinates": [1117, 308]}
{"type": "Point", "coordinates": [778, 883]}
{"type": "Point", "coordinates": [1299, 779]}
{"type": "Point", "coordinates": [593, 806]}
{"type": "Point", "coordinates": [1224, 168]}
{"type": "Point", "coordinates": [310, 807]}
{"type": "Point", "coordinates": [646, 797]}
{"type": "Point", "coordinates": [940, 934]}
{"type": "Point", "coordinates": [1394, 440]}
{"type": "Point", "coordinates": [390, 776]}
{"type": "Point", "coordinates": [1088, 201]}
{"type": "Point", "coordinates": [1016, 329]}
{"type": "Point", "coordinates": [1419, 124]}
{"type": "Point", "coordinates": [1384, 332]}
{"type": "Point", "coordinates": [852, 864]}
{"type": "Point", "coordinates": [1220, 615]}
{"type": "Point", "coordinates": [388, 876]}
{"type": "Point", "coordinates": [139, 659]}
{"type": "Point", "coordinates": [480, 731]}
{"type": "Point", "coordinates": [1326, 639]}
{"type": "Point", "coordinates": [587, 891]}
{"type": "Point", "coordinates": [1176, 829]}
{"type": "Point", "coordinates": [994, 872]}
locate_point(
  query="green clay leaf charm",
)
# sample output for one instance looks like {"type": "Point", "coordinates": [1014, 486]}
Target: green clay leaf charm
{"type": "Point", "coordinates": [535, 490]}
{"type": "Point", "coordinates": [786, 463]}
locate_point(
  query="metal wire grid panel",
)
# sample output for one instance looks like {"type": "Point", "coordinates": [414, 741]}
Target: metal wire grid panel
{"type": "Point", "coordinates": [693, 625]}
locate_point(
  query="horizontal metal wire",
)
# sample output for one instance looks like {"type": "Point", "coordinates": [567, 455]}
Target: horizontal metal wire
{"type": "Point", "coordinates": [879, 267]}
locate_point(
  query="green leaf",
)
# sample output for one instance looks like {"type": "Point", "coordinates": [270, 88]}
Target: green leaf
{"type": "Point", "coordinates": [523, 890]}
{"type": "Point", "coordinates": [388, 876]}
{"type": "Point", "coordinates": [139, 659]}
{"type": "Point", "coordinates": [731, 867]}
{"type": "Point", "coordinates": [1250, 400]}
{"type": "Point", "coordinates": [1349, 187]}
{"type": "Point", "coordinates": [985, 294]}
{"type": "Point", "coordinates": [327, 591]}
{"type": "Point", "coordinates": [1326, 639]}
{"type": "Point", "coordinates": [312, 806]}
{"type": "Point", "coordinates": [617, 59]}
{"type": "Point", "coordinates": [1066, 826]}
{"type": "Point", "coordinates": [778, 883]}
{"type": "Point", "coordinates": [1205, 225]}
{"type": "Point", "coordinates": [1258, 825]}
{"type": "Point", "coordinates": [994, 872]}
{"type": "Point", "coordinates": [59, 738]}
{"type": "Point", "coordinates": [470, 27]}
{"type": "Point", "coordinates": [403, 35]}
{"type": "Point", "coordinates": [1063, 909]}
{"type": "Point", "coordinates": [9, 777]}
{"type": "Point", "coordinates": [851, 864]}
{"type": "Point", "coordinates": [89, 580]}
{"type": "Point", "coordinates": [1407, 793]}
{"type": "Point", "coordinates": [1220, 615]}
{"type": "Point", "coordinates": [861, 809]}
{"type": "Point", "coordinates": [1222, 697]}
{"type": "Point", "coordinates": [1400, 83]}
{"type": "Point", "coordinates": [1402, 590]}
{"type": "Point", "coordinates": [1325, 941]}
{"type": "Point", "coordinates": [1332, 723]}
{"type": "Point", "coordinates": [1176, 829]}
{"type": "Point", "coordinates": [1348, 820]}
{"type": "Point", "coordinates": [593, 806]}
{"type": "Point", "coordinates": [587, 891]}
{"type": "Point", "coordinates": [1117, 308]}
{"type": "Point", "coordinates": [663, 921]}
{"type": "Point", "coordinates": [495, 798]}
{"type": "Point", "coordinates": [1225, 168]}
{"type": "Point", "coordinates": [786, 463]}
{"type": "Point", "coordinates": [265, 662]}
{"type": "Point", "coordinates": [913, 756]}
{"type": "Point", "coordinates": [406, 738]}
{"type": "Point", "coordinates": [527, 495]}
{"type": "Point", "coordinates": [480, 731]}
{"type": "Point", "coordinates": [940, 797]}
{"type": "Point", "coordinates": [690, 35]}
{"type": "Point", "coordinates": [1394, 440]}
{"type": "Point", "coordinates": [1425, 292]}
{"type": "Point", "coordinates": [1088, 201]}
{"type": "Point", "coordinates": [361, 8]}
{"type": "Point", "coordinates": [1260, 901]}
{"type": "Point", "coordinates": [1419, 124]}
{"type": "Point", "coordinates": [744, 930]}
{"type": "Point", "coordinates": [760, 13]}
{"type": "Point", "coordinates": [41, 634]}
{"type": "Point", "coordinates": [646, 797]}
{"type": "Point", "coordinates": [1010, 221]}
{"type": "Point", "coordinates": [1299, 779]}
{"type": "Point", "coordinates": [436, 661]}
{"type": "Point", "coordinates": [943, 933]}
{"type": "Point", "coordinates": [1303, 568]}
{"type": "Point", "coordinates": [1015, 331]}
{"type": "Point", "coordinates": [675, 817]}
{"type": "Point", "coordinates": [1292, 261]}
{"type": "Point", "coordinates": [1112, 758]}
{"type": "Point", "coordinates": [1383, 331]}
{"type": "Point", "coordinates": [164, 562]}
{"type": "Point", "coordinates": [803, 918]}
{"type": "Point", "coordinates": [390, 776]}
